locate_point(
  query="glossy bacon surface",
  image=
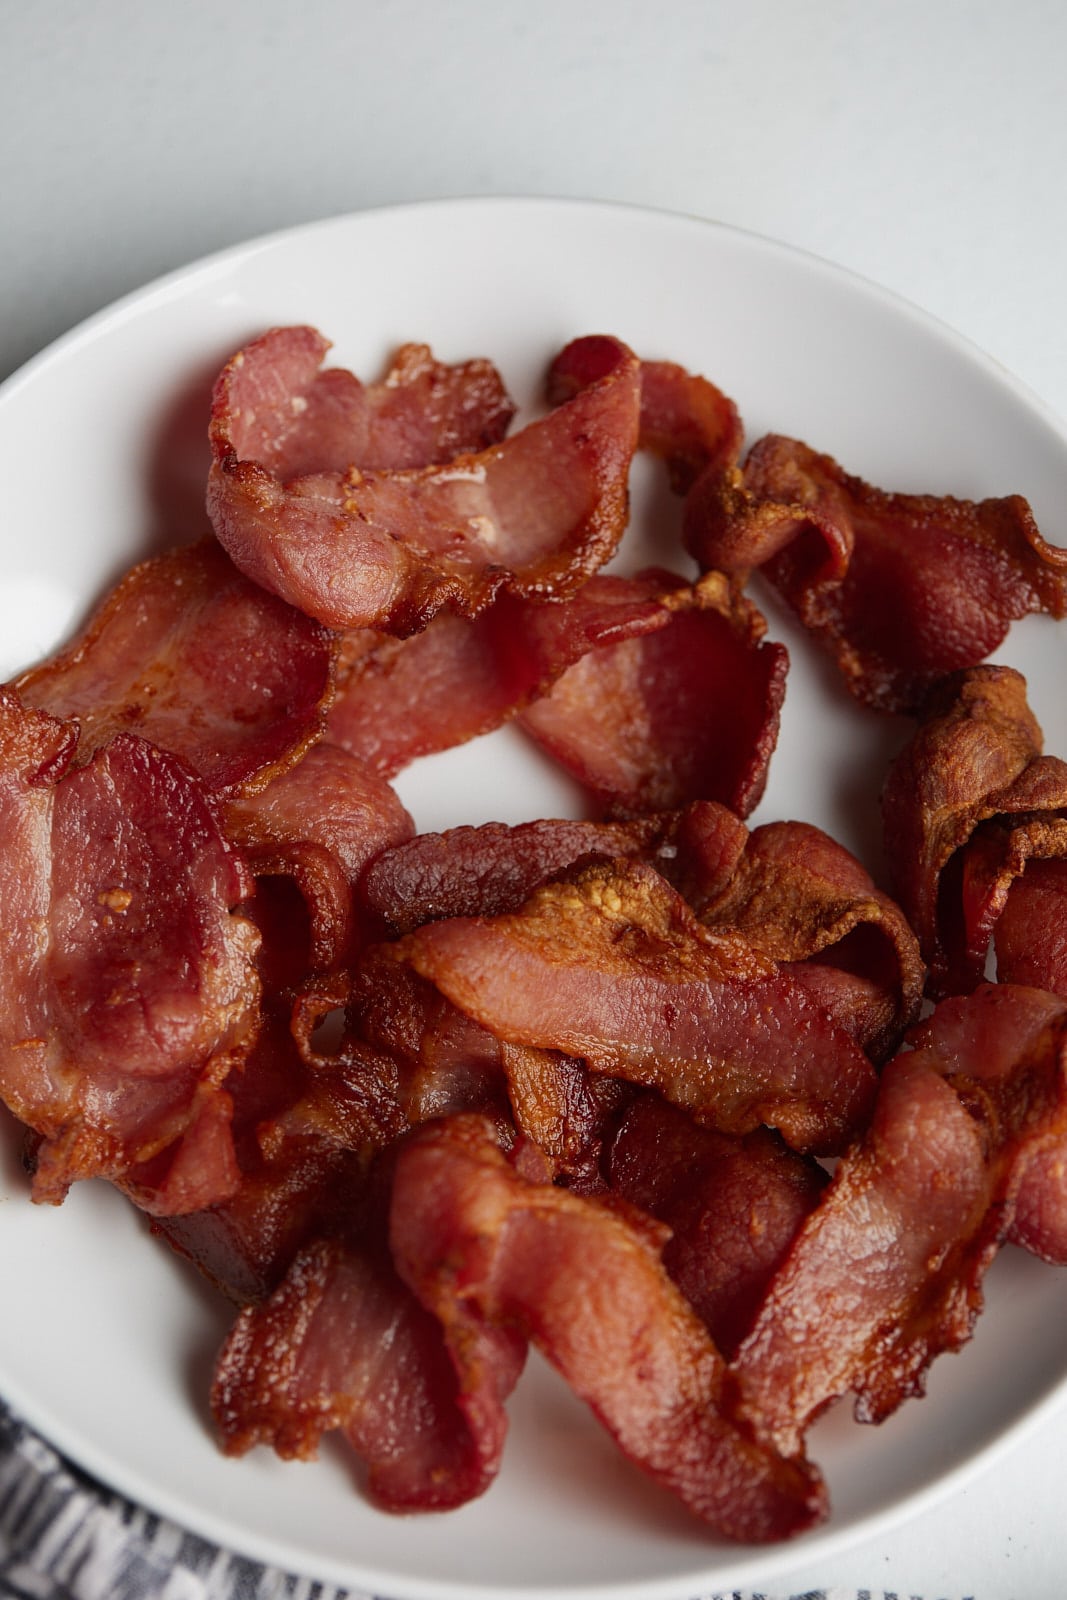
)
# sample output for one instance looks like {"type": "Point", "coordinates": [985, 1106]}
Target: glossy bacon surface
{"type": "Point", "coordinates": [366, 546]}
{"type": "Point", "coordinates": [484, 1248]}
{"type": "Point", "coordinates": [129, 990]}
{"type": "Point", "coordinates": [688, 712]}
{"type": "Point", "coordinates": [188, 653]}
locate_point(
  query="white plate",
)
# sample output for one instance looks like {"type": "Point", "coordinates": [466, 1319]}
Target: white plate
{"type": "Point", "coordinates": [106, 1340]}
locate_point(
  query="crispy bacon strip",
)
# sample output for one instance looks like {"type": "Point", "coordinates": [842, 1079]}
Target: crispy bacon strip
{"type": "Point", "coordinates": [966, 803]}
{"type": "Point", "coordinates": [460, 677]}
{"type": "Point", "coordinates": [343, 1343]}
{"type": "Point", "coordinates": [609, 965]}
{"type": "Point", "coordinates": [190, 654]}
{"type": "Point", "coordinates": [359, 547]}
{"type": "Point", "coordinates": [899, 588]}
{"type": "Point", "coordinates": [802, 898]}
{"type": "Point", "coordinates": [485, 1249]}
{"type": "Point", "coordinates": [320, 824]}
{"type": "Point", "coordinates": [886, 1274]}
{"type": "Point", "coordinates": [128, 991]}
{"type": "Point", "coordinates": [689, 712]}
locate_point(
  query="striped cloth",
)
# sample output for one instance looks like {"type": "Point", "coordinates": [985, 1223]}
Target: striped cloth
{"type": "Point", "coordinates": [64, 1537]}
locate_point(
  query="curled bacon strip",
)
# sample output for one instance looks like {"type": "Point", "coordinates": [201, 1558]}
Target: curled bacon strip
{"type": "Point", "coordinates": [362, 546]}
{"type": "Point", "coordinates": [128, 991]}
{"type": "Point", "coordinates": [610, 965]}
{"type": "Point", "coordinates": [899, 588]}
{"type": "Point", "coordinates": [886, 1273]}
{"type": "Point", "coordinates": [188, 653]}
{"type": "Point", "coordinates": [460, 677]}
{"type": "Point", "coordinates": [967, 802]}
{"type": "Point", "coordinates": [485, 1249]}
{"type": "Point", "coordinates": [319, 824]}
{"type": "Point", "coordinates": [687, 712]}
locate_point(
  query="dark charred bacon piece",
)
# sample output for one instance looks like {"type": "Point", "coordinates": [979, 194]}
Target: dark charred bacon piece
{"type": "Point", "coordinates": [461, 676]}
{"type": "Point", "coordinates": [485, 1249]}
{"type": "Point", "coordinates": [800, 897]}
{"type": "Point", "coordinates": [188, 653]}
{"type": "Point", "coordinates": [689, 712]}
{"type": "Point", "coordinates": [967, 802]}
{"type": "Point", "coordinates": [886, 1273]}
{"type": "Point", "coordinates": [319, 824]}
{"type": "Point", "coordinates": [609, 965]}
{"type": "Point", "coordinates": [899, 588]}
{"type": "Point", "coordinates": [733, 1207]}
{"type": "Point", "coordinates": [128, 991]}
{"type": "Point", "coordinates": [362, 546]}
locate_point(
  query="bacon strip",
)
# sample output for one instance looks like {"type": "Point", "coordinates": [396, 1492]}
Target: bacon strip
{"type": "Point", "coordinates": [609, 965]}
{"type": "Point", "coordinates": [535, 514]}
{"type": "Point", "coordinates": [689, 712]}
{"type": "Point", "coordinates": [460, 677]}
{"type": "Point", "coordinates": [320, 824]}
{"type": "Point", "coordinates": [128, 991]}
{"type": "Point", "coordinates": [733, 1207]}
{"type": "Point", "coordinates": [188, 653]}
{"type": "Point", "coordinates": [899, 588]}
{"type": "Point", "coordinates": [886, 1273]}
{"type": "Point", "coordinates": [966, 803]}
{"type": "Point", "coordinates": [485, 1249]}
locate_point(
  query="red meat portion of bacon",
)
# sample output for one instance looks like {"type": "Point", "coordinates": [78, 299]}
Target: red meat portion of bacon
{"type": "Point", "coordinates": [733, 1207]}
{"type": "Point", "coordinates": [689, 712]}
{"type": "Point", "coordinates": [188, 653]}
{"type": "Point", "coordinates": [685, 419]}
{"type": "Point", "coordinates": [899, 588]}
{"type": "Point", "coordinates": [343, 1343]}
{"type": "Point", "coordinates": [886, 1274]}
{"type": "Point", "coordinates": [320, 824]}
{"type": "Point", "coordinates": [966, 803]}
{"type": "Point", "coordinates": [610, 966]}
{"type": "Point", "coordinates": [298, 417]}
{"type": "Point", "coordinates": [460, 677]}
{"type": "Point", "coordinates": [1030, 936]}
{"type": "Point", "coordinates": [129, 990]}
{"type": "Point", "coordinates": [800, 897]}
{"type": "Point", "coordinates": [361, 546]}
{"type": "Point", "coordinates": [485, 1249]}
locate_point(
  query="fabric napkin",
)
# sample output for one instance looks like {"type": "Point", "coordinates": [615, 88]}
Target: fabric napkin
{"type": "Point", "coordinates": [65, 1537]}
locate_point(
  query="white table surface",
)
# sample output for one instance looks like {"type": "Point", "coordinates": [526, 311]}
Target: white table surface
{"type": "Point", "coordinates": [922, 143]}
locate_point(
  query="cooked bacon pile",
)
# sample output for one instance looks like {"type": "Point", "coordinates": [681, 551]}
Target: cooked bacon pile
{"type": "Point", "coordinates": [415, 1101]}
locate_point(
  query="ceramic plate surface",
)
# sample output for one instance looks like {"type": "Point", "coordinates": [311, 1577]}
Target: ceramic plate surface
{"type": "Point", "coordinates": [106, 1341]}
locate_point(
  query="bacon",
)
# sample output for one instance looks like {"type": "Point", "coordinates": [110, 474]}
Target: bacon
{"type": "Point", "coordinates": [129, 989]}
{"type": "Point", "coordinates": [482, 871]}
{"type": "Point", "coordinates": [966, 803]}
{"type": "Point", "coordinates": [733, 1207]}
{"type": "Point", "coordinates": [188, 653]}
{"type": "Point", "coordinates": [298, 418]}
{"type": "Point", "coordinates": [689, 712]}
{"type": "Point", "coordinates": [343, 1343]}
{"type": "Point", "coordinates": [610, 966]}
{"type": "Point", "coordinates": [886, 1273]}
{"type": "Point", "coordinates": [800, 897]}
{"type": "Point", "coordinates": [460, 677]}
{"type": "Point", "coordinates": [362, 546]}
{"type": "Point", "coordinates": [320, 824]}
{"type": "Point", "coordinates": [485, 1249]}
{"type": "Point", "coordinates": [899, 588]}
